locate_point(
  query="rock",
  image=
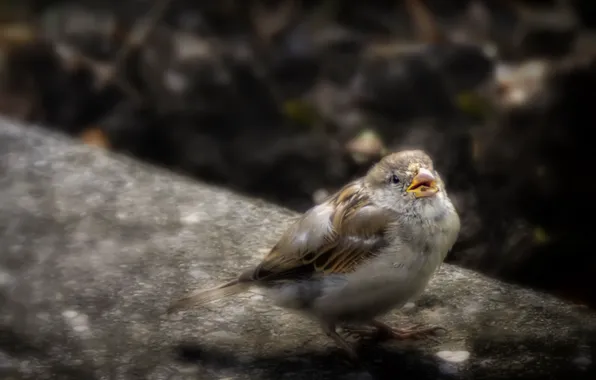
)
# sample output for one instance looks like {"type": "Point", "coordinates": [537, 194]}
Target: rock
{"type": "Point", "coordinates": [522, 31]}
{"type": "Point", "coordinates": [548, 32]}
{"type": "Point", "coordinates": [421, 83]}
{"type": "Point", "coordinates": [94, 247]}
{"type": "Point", "coordinates": [519, 157]}
{"type": "Point", "coordinates": [401, 86]}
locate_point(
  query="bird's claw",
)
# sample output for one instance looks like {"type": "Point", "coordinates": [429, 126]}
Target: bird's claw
{"type": "Point", "coordinates": [360, 333]}
{"type": "Point", "coordinates": [381, 332]}
{"type": "Point", "coordinates": [413, 332]}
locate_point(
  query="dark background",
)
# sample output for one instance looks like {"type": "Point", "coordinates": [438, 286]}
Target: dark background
{"type": "Point", "coordinates": [288, 100]}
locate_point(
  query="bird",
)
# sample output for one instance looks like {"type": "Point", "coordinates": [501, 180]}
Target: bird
{"type": "Point", "coordinates": [368, 249]}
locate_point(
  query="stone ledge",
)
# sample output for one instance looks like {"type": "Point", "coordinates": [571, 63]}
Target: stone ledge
{"type": "Point", "coordinates": [95, 245]}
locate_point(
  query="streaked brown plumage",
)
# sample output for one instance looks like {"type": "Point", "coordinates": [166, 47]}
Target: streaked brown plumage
{"type": "Point", "coordinates": [367, 249]}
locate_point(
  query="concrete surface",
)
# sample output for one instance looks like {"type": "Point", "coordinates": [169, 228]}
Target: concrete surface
{"type": "Point", "coordinates": [94, 246]}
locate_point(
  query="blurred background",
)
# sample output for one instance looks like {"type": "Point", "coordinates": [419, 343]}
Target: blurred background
{"type": "Point", "coordinates": [287, 100]}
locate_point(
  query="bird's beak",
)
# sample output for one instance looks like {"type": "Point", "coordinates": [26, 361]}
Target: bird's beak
{"type": "Point", "coordinates": [424, 184]}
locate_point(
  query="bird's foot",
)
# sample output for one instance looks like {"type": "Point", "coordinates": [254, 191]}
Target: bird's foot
{"type": "Point", "coordinates": [381, 331]}
{"type": "Point", "coordinates": [360, 332]}
{"type": "Point", "coordinates": [415, 332]}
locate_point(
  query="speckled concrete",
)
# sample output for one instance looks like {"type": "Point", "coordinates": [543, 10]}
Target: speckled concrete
{"type": "Point", "coordinates": [94, 246]}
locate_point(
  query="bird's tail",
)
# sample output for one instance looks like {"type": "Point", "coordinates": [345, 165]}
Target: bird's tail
{"type": "Point", "coordinates": [202, 297]}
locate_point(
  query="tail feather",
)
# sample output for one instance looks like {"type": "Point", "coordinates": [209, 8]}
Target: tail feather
{"type": "Point", "coordinates": [202, 297]}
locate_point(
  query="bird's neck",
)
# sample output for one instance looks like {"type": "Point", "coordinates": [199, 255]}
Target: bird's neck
{"type": "Point", "coordinates": [428, 234]}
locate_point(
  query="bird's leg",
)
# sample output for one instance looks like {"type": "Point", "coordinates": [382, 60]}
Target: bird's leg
{"type": "Point", "coordinates": [329, 329]}
{"type": "Point", "coordinates": [413, 332]}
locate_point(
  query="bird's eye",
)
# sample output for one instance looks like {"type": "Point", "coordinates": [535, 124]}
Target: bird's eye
{"type": "Point", "coordinates": [394, 179]}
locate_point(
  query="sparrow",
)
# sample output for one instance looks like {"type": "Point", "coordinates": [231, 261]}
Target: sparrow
{"type": "Point", "coordinates": [366, 250]}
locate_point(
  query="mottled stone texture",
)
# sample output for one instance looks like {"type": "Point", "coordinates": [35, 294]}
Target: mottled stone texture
{"type": "Point", "coordinates": [94, 246]}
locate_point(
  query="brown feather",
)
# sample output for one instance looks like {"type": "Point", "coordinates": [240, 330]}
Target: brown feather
{"type": "Point", "coordinates": [202, 297]}
{"type": "Point", "coordinates": [357, 234]}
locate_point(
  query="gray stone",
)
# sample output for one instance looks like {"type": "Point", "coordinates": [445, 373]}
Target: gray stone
{"type": "Point", "coordinates": [94, 247]}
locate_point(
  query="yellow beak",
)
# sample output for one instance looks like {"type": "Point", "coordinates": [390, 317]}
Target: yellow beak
{"type": "Point", "coordinates": [424, 184]}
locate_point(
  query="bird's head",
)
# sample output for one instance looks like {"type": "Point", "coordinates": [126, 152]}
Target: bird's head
{"type": "Point", "coordinates": [406, 180]}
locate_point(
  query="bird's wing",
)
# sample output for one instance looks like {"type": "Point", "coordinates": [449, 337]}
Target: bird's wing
{"type": "Point", "coordinates": [333, 237]}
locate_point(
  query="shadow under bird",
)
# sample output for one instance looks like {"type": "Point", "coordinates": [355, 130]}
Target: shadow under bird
{"type": "Point", "coordinates": [368, 249]}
